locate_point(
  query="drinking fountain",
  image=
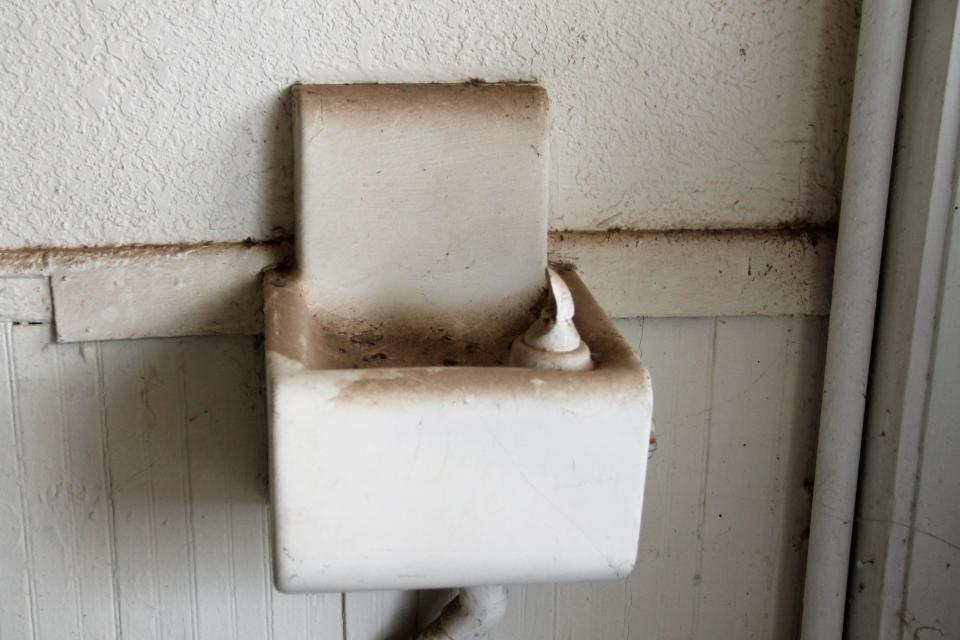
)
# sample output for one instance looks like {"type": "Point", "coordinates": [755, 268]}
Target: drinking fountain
{"type": "Point", "coordinates": [444, 409]}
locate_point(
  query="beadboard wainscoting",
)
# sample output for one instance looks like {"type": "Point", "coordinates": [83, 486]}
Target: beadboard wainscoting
{"type": "Point", "coordinates": [133, 495]}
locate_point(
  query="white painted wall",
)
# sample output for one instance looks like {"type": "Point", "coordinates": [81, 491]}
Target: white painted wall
{"type": "Point", "coordinates": [164, 122]}
{"type": "Point", "coordinates": [133, 497]}
{"type": "Point", "coordinates": [132, 473]}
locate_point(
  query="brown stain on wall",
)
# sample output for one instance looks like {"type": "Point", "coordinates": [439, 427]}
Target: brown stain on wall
{"type": "Point", "coordinates": [45, 259]}
{"type": "Point", "coordinates": [809, 236]}
{"type": "Point", "coordinates": [40, 259]}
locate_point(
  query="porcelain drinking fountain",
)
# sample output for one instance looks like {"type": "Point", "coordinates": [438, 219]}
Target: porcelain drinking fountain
{"type": "Point", "coordinates": [445, 411]}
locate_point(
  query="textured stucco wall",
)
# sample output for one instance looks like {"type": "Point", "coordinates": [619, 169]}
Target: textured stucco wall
{"type": "Point", "coordinates": [146, 121]}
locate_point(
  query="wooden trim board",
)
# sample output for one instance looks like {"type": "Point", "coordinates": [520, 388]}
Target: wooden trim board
{"type": "Point", "coordinates": [703, 273]}
{"type": "Point", "coordinates": [154, 291]}
{"type": "Point", "coordinates": [25, 298]}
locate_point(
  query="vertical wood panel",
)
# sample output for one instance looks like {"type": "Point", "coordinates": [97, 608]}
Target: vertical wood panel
{"type": "Point", "coordinates": [288, 615]}
{"type": "Point", "coordinates": [17, 585]}
{"type": "Point", "coordinates": [740, 496]}
{"type": "Point", "coordinates": [128, 444]}
{"type": "Point", "coordinates": [165, 437]}
{"type": "Point", "coordinates": [665, 588]}
{"type": "Point", "coordinates": [92, 526]}
{"type": "Point", "coordinates": [324, 616]}
{"type": "Point", "coordinates": [47, 484]}
{"type": "Point", "coordinates": [794, 467]}
{"type": "Point", "coordinates": [591, 610]}
{"type": "Point", "coordinates": [380, 615]}
{"type": "Point", "coordinates": [530, 614]}
{"type": "Point", "coordinates": [218, 411]}
{"type": "Point", "coordinates": [760, 437]}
